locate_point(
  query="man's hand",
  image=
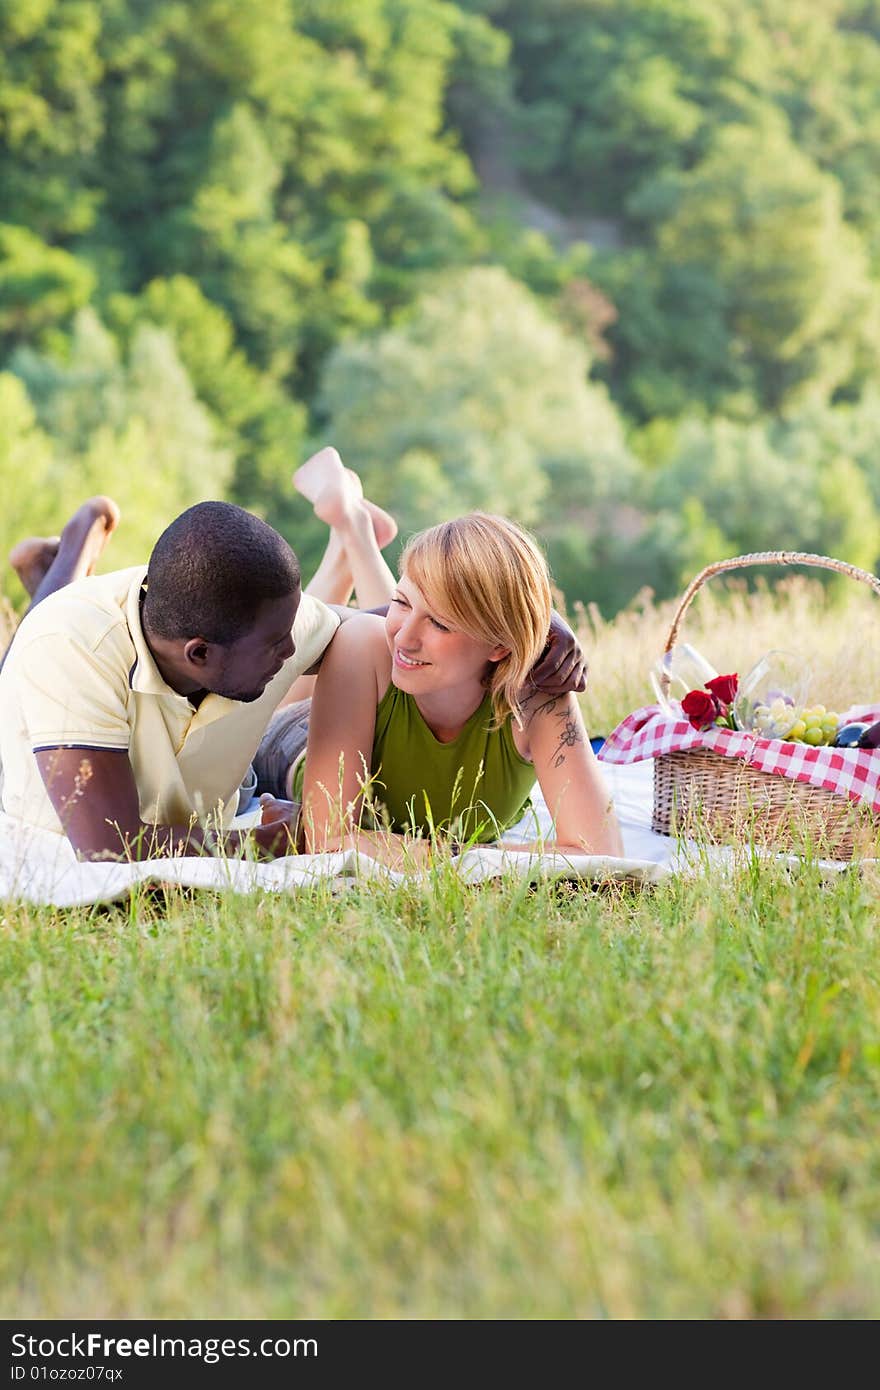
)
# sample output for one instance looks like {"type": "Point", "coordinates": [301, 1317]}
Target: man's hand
{"type": "Point", "coordinates": [276, 834]}
{"type": "Point", "coordinates": [562, 666]}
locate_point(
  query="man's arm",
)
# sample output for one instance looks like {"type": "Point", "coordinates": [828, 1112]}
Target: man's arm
{"type": "Point", "coordinates": [94, 795]}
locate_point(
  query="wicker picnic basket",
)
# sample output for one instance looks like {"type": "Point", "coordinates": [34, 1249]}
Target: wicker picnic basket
{"type": "Point", "coordinates": [705, 794]}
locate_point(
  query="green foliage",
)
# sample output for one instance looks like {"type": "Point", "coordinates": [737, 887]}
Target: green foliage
{"type": "Point", "coordinates": [40, 285]}
{"type": "Point", "coordinates": [671, 347]}
{"type": "Point", "coordinates": [613, 95]}
{"type": "Point", "coordinates": [610, 94]}
{"type": "Point", "coordinates": [762, 494]}
{"type": "Point", "coordinates": [757, 294]}
{"type": "Point", "coordinates": [312, 138]}
{"type": "Point", "coordinates": [256, 420]}
{"type": "Point", "coordinates": [51, 114]}
{"type": "Point", "coordinates": [132, 428]}
{"type": "Point", "coordinates": [271, 210]}
{"type": "Point", "coordinates": [706, 489]}
{"type": "Point", "coordinates": [26, 454]}
{"type": "Point", "coordinates": [734, 147]}
{"type": "Point", "coordinates": [476, 399]}
{"type": "Point", "coordinates": [799, 308]}
{"type": "Point", "coordinates": [280, 151]}
{"type": "Point", "coordinates": [849, 431]}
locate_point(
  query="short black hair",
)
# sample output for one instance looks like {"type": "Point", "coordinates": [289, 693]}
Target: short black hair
{"type": "Point", "coordinates": [212, 569]}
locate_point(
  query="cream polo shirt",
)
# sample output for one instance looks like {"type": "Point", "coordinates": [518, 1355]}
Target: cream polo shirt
{"type": "Point", "coordinates": [80, 675]}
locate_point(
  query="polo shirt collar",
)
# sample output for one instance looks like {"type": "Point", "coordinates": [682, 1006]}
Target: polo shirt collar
{"type": "Point", "coordinates": [144, 677]}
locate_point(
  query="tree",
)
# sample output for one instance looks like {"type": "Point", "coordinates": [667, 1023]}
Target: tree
{"type": "Point", "coordinates": [798, 302]}
{"type": "Point", "coordinates": [27, 463]}
{"type": "Point", "coordinates": [478, 399]}
{"type": "Point", "coordinates": [281, 150]}
{"type": "Point", "coordinates": [40, 286]}
{"type": "Point", "coordinates": [732, 149]}
{"type": "Point", "coordinates": [51, 118]}
{"type": "Point", "coordinates": [761, 495]}
{"type": "Point", "coordinates": [132, 428]}
{"type": "Point", "coordinates": [256, 422]}
{"type": "Point", "coordinates": [467, 402]}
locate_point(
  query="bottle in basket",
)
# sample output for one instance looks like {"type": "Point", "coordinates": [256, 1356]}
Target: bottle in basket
{"type": "Point", "coordinates": [678, 671]}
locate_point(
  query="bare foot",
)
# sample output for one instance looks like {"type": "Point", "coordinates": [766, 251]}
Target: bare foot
{"type": "Point", "coordinates": [52, 561]}
{"type": "Point", "coordinates": [334, 491]}
{"type": "Point", "coordinates": [324, 469]}
{"type": "Point", "coordinates": [32, 558]}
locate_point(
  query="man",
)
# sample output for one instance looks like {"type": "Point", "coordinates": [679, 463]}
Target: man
{"type": "Point", "coordinates": [131, 704]}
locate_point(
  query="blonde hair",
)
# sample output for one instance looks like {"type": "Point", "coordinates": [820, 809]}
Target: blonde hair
{"type": "Point", "coordinates": [490, 579]}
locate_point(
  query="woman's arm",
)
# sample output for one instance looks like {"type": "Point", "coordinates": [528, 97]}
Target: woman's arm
{"type": "Point", "coordinates": [342, 723]}
{"type": "Point", "coordinates": [352, 680]}
{"type": "Point", "coordinates": [571, 780]}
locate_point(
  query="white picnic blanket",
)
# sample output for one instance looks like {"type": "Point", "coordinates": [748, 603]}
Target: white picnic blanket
{"type": "Point", "coordinates": [38, 867]}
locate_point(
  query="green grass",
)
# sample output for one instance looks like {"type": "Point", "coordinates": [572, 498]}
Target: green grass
{"type": "Point", "coordinates": [444, 1102]}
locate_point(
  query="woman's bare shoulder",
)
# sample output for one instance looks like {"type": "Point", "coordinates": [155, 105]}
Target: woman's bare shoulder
{"type": "Point", "coordinates": [359, 647]}
{"type": "Point", "coordinates": [362, 632]}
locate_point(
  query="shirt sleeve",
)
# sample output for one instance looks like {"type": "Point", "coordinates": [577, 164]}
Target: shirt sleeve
{"type": "Point", "coordinates": [73, 695]}
{"type": "Point", "coordinates": [313, 628]}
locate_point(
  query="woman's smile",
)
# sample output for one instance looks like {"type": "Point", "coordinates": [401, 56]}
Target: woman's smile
{"type": "Point", "coordinates": [409, 663]}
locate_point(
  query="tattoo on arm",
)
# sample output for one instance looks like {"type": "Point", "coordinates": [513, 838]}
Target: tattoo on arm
{"type": "Point", "coordinates": [569, 737]}
{"type": "Point", "coordinates": [547, 707]}
{"type": "Point", "coordinates": [569, 734]}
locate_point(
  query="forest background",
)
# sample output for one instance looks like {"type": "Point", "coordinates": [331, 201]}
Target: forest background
{"type": "Point", "coordinates": [609, 266]}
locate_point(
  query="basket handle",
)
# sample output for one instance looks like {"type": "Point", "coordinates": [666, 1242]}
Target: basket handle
{"type": "Point", "coordinates": [764, 557]}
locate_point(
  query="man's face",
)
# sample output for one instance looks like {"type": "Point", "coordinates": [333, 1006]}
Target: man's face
{"type": "Point", "coordinates": [241, 670]}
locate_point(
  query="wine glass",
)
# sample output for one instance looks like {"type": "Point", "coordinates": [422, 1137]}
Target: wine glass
{"type": "Point", "coordinates": [678, 671]}
{"type": "Point", "coordinates": [771, 695]}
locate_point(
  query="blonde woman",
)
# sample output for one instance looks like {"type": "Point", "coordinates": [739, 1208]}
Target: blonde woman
{"type": "Point", "coordinates": [424, 713]}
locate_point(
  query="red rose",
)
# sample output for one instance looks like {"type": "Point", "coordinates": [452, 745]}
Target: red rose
{"type": "Point", "coordinates": [724, 688]}
{"type": "Point", "coordinates": [701, 708]}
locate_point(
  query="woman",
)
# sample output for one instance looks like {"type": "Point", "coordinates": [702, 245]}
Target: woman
{"type": "Point", "coordinates": [421, 713]}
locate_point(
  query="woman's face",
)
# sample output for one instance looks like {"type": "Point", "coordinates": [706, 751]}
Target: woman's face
{"type": "Point", "coordinates": [427, 653]}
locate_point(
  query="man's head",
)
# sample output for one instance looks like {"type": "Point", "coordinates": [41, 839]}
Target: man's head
{"type": "Point", "coordinates": [223, 589]}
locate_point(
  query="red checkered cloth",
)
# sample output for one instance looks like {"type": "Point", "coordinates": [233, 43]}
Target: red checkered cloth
{"type": "Point", "coordinates": [852, 772]}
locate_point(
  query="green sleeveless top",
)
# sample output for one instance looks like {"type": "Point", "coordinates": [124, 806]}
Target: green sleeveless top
{"type": "Point", "coordinates": [475, 786]}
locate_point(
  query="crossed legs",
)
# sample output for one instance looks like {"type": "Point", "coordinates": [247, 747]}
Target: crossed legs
{"type": "Point", "coordinates": [46, 563]}
{"type": "Point", "coordinates": [359, 532]}
{"type": "Point", "coordinates": [353, 562]}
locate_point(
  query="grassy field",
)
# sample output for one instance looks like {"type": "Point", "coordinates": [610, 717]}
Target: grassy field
{"type": "Point", "coordinates": [451, 1103]}
{"type": "Point", "coordinates": [447, 1102]}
